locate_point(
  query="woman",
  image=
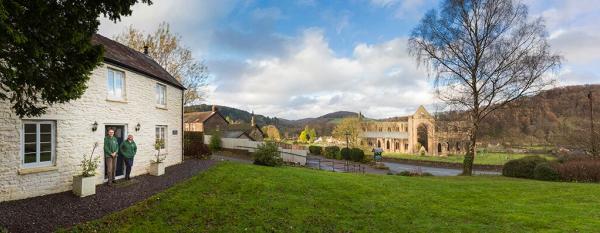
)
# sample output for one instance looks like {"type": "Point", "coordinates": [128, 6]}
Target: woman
{"type": "Point", "coordinates": [128, 150]}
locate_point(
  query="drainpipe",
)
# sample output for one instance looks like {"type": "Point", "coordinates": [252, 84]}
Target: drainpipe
{"type": "Point", "coordinates": [182, 132]}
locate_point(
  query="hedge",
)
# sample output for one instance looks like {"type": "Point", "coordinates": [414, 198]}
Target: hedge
{"type": "Point", "coordinates": [543, 171]}
{"type": "Point", "coordinates": [315, 150]}
{"type": "Point", "coordinates": [331, 152]}
{"type": "Point", "coordinates": [523, 167]}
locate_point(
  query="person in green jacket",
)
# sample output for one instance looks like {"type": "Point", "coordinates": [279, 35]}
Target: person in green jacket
{"type": "Point", "coordinates": [128, 150]}
{"type": "Point", "coordinates": [111, 148]}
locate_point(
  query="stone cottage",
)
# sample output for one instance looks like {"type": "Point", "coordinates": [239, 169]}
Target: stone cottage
{"type": "Point", "coordinates": [129, 92]}
{"type": "Point", "coordinates": [210, 121]}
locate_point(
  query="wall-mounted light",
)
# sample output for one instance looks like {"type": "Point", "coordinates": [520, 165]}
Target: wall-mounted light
{"type": "Point", "coordinates": [95, 126]}
{"type": "Point", "coordinates": [137, 127]}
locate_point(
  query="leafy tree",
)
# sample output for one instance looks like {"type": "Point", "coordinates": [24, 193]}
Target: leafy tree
{"type": "Point", "coordinates": [350, 126]}
{"type": "Point", "coordinates": [312, 135]}
{"type": "Point", "coordinates": [272, 132]}
{"type": "Point", "coordinates": [46, 55]}
{"type": "Point", "coordinates": [167, 49]}
{"type": "Point", "coordinates": [484, 54]}
{"type": "Point", "coordinates": [303, 138]}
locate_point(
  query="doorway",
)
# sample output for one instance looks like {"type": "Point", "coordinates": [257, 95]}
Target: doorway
{"type": "Point", "coordinates": [120, 134]}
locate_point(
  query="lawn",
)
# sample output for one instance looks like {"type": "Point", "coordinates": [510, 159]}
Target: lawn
{"type": "Point", "coordinates": [248, 198]}
{"type": "Point", "coordinates": [484, 158]}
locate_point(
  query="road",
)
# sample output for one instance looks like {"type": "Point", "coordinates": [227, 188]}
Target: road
{"type": "Point", "coordinates": [398, 167]}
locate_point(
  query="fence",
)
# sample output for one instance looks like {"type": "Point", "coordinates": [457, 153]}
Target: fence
{"type": "Point", "coordinates": [296, 156]}
{"type": "Point", "coordinates": [334, 165]}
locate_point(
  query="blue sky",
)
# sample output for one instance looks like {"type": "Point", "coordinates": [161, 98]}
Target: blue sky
{"type": "Point", "coordinates": [305, 58]}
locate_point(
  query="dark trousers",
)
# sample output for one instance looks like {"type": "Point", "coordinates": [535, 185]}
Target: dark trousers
{"type": "Point", "coordinates": [128, 165]}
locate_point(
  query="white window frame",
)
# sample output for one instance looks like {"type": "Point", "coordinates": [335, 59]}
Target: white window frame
{"type": "Point", "coordinates": [114, 96]}
{"type": "Point", "coordinates": [162, 131]}
{"type": "Point", "coordinates": [37, 144]}
{"type": "Point", "coordinates": [161, 102]}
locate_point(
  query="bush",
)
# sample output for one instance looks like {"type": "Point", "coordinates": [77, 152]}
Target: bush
{"type": "Point", "coordinates": [583, 170]}
{"type": "Point", "coordinates": [543, 171]}
{"type": "Point", "coordinates": [331, 152]}
{"type": "Point", "coordinates": [357, 155]}
{"type": "Point", "coordinates": [268, 154]}
{"type": "Point", "coordinates": [345, 153]}
{"type": "Point", "coordinates": [215, 142]}
{"type": "Point", "coordinates": [523, 167]}
{"type": "Point", "coordinates": [315, 150]}
{"type": "Point", "coordinates": [197, 150]}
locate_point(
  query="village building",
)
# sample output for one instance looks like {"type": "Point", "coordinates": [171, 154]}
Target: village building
{"type": "Point", "coordinates": [416, 133]}
{"type": "Point", "coordinates": [212, 121]}
{"type": "Point", "coordinates": [129, 92]}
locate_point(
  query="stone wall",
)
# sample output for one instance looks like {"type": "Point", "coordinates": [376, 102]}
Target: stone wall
{"type": "Point", "coordinates": [74, 135]}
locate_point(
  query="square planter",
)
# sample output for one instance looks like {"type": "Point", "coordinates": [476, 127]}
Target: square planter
{"type": "Point", "coordinates": [84, 186]}
{"type": "Point", "coordinates": [157, 169]}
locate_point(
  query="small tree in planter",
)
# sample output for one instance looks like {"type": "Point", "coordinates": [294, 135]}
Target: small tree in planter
{"type": "Point", "coordinates": [157, 166]}
{"type": "Point", "coordinates": [85, 183]}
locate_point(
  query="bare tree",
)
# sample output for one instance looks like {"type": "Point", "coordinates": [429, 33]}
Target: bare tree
{"type": "Point", "coordinates": [168, 50]}
{"type": "Point", "coordinates": [484, 54]}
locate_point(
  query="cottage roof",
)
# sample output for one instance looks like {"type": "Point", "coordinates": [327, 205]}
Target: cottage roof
{"type": "Point", "coordinates": [121, 55]}
{"type": "Point", "coordinates": [194, 117]}
{"type": "Point", "coordinates": [243, 127]}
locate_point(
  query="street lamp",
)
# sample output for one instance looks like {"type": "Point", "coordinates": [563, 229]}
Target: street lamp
{"type": "Point", "coordinates": [347, 140]}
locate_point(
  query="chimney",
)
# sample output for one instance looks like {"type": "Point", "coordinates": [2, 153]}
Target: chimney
{"type": "Point", "coordinates": [252, 120]}
{"type": "Point", "coordinates": [146, 49]}
{"type": "Point", "coordinates": [214, 108]}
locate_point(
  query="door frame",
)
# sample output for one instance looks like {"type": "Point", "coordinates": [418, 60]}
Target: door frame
{"type": "Point", "coordinates": [125, 133]}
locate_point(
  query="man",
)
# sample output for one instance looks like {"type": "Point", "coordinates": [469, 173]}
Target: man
{"type": "Point", "coordinates": [128, 150]}
{"type": "Point", "coordinates": [111, 148]}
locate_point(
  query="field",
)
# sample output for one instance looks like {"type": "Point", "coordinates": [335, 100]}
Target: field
{"type": "Point", "coordinates": [481, 158]}
{"type": "Point", "coordinates": [248, 198]}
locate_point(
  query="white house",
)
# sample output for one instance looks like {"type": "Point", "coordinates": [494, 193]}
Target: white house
{"type": "Point", "coordinates": [129, 92]}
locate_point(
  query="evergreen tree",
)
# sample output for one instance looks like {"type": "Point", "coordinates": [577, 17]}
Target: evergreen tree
{"type": "Point", "coordinates": [46, 55]}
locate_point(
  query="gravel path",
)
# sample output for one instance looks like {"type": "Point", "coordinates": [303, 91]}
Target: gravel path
{"type": "Point", "coordinates": [50, 212]}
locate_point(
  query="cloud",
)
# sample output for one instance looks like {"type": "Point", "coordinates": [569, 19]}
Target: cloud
{"type": "Point", "coordinates": [309, 80]}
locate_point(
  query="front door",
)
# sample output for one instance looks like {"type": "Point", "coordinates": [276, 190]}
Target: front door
{"type": "Point", "coordinates": [120, 134]}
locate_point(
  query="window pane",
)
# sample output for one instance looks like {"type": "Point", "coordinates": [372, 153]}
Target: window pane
{"type": "Point", "coordinates": [118, 86]}
{"type": "Point", "coordinates": [45, 156]}
{"type": "Point", "coordinates": [46, 137]}
{"type": "Point", "coordinates": [30, 158]}
{"type": "Point", "coordinates": [111, 82]}
{"type": "Point", "coordinates": [29, 138]}
{"type": "Point", "coordinates": [46, 147]}
{"type": "Point", "coordinates": [30, 148]}
{"type": "Point", "coordinates": [30, 128]}
{"type": "Point", "coordinates": [45, 128]}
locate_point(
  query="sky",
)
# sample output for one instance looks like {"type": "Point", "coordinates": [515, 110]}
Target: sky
{"type": "Point", "coordinates": [306, 58]}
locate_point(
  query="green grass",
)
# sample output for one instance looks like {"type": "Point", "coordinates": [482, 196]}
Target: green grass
{"type": "Point", "coordinates": [481, 157]}
{"type": "Point", "coordinates": [249, 198]}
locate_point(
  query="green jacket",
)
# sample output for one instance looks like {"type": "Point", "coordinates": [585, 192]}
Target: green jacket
{"type": "Point", "coordinates": [110, 146]}
{"type": "Point", "coordinates": [128, 149]}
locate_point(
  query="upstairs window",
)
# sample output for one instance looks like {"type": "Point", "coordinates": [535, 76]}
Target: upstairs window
{"type": "Point", "coordinates": [38, 143]}
{"type": "Point", "coordinates": [116, 84]}
{"type": "Point", "coordinates": [161, 93]}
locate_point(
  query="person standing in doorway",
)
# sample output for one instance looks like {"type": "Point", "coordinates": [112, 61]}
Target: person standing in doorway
{"type": "Point", "coordinates": [111, 148]}
{"type": "Point", "coordinates": [128, 150]}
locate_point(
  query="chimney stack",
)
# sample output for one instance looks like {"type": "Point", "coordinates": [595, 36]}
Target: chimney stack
{"type": "Point", "coordinates": [214, 108]}
{"type": "Point", "coordinates": [146, 49]}
{"type": "Point", "coordinates": [252, 120]}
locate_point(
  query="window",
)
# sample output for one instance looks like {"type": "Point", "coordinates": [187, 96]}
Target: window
{"type": "Point", "coordinates": [161, 133]}
{"type": "Point", "coordinates": [38, 143]}
{"type": "Point", "coordinates": [116, 84]}
{"type": "Point", "coordinates": [161, 93]}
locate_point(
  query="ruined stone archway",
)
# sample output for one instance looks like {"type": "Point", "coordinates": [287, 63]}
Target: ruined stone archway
{"type": "Point", "coordinates": [423, 136]}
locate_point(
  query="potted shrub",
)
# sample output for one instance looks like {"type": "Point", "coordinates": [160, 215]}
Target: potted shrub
{"type": "Point", "coordinates": [157, 166]}
{"type": "Point", "coordinates": [85, 183]}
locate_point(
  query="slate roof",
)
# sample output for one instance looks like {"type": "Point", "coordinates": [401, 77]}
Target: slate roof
{"type": "Point", "coordinates": [121, 55]}
{"type": "Point", "coordinates": [375, 134]}
{"type": "Point", "coordinates": [194, 117]}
